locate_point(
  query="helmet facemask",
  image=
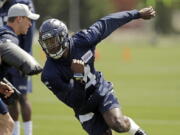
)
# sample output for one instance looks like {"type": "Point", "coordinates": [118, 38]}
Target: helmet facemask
{"type": "Point", "coordinates": [54, 43]}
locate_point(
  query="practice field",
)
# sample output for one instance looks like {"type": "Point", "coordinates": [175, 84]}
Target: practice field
{"type": "Point", "coordinates": [146, 80]}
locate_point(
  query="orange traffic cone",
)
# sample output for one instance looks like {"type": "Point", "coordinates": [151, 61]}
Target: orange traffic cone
{"type": "Point", "coordinates": [126, 54]}
{"type": "Point", "coordinates": [97, 54]}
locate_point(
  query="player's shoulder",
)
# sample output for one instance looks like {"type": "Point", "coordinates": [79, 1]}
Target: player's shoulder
{"type": "Point", "coordinates": [3, 29]}
{"type": "Point", "coordinates": [47, 75]}
{"type": "Point", "coordinates": [49, 69]}
{"type": "Point", "coordinates": [49, 64]}
{"type": "Point", "coordinates": [7, 33]}
{"type": "Point", "coordinates": [81, 39]}
{"type": "Point", "coordinates": [80, 35]}
{"type": "Point", "coordinates": [6, 29]}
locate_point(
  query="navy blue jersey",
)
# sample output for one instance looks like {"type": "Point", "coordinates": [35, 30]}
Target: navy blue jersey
{"type": "Point", "coordinates": [57, 75]}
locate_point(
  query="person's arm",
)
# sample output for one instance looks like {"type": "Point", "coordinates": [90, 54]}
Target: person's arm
{"type": "Point", "coordinates": [106, 25]}
{"type": "Point", "coordinates": [71, 93]}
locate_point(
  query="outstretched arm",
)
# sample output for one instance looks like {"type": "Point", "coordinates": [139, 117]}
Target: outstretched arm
{"type": "Point", "coordinates": [116, 20]}
{"type": "Point", "coordinates": [106, 25]}
{"type": "Point", "coordinates": [71, 92]}
{"type": "Point", "coordinates": [72, 95]}
{"type": "Point", "coordinates": [147, 13]}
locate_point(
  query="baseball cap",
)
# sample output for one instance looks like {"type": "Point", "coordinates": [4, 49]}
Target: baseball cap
{"type": "Point", "coordinates": [22, 10]}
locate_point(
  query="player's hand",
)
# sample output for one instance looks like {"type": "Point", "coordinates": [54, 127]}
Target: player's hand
{"type": "Point", "coordinates": [147, 13]}
{"type": "Point", "coordinates": [77, 68]}
{"type": "Point", "coordinates": [6, 90]}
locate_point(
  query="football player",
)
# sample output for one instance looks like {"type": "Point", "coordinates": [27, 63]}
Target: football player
{"type": "Point", "coordinates": [70, 74]}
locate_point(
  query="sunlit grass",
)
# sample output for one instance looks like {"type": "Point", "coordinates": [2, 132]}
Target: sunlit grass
{"type": "Point", "coordinates": [146, 80]}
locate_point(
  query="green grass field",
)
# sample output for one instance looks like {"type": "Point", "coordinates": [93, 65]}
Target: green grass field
{"type": "Point", "coordinates": [147, 82]}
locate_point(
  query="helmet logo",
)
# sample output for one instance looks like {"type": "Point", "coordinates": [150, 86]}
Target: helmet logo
{"type": "Point", "coordinates": [46, 36]}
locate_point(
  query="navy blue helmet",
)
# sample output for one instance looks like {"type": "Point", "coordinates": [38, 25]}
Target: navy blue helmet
{"type": "Point", "coordinates": [53, 37]}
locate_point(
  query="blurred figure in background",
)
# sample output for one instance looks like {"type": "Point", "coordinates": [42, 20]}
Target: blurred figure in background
{"type": "Point", "coordinates": [6, 122]}
{"type": "Point", "coordinates": [22, 83]}
{"type": "Point", "coordinates": [70, 74]}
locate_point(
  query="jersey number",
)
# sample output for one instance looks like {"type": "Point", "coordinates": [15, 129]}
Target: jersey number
{"type": "Point", "coordinates": [89, 78]}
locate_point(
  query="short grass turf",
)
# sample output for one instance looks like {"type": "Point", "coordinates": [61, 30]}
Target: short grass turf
{"type": "Point", "coordinates": [146, 80]}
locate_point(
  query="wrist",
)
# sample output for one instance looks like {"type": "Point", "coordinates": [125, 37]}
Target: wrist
{"type": "Point", "coordinates": [78, 76]}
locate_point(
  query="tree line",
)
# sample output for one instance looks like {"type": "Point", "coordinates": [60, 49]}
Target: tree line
{"type": "Point", "coordinates": [81, 13]}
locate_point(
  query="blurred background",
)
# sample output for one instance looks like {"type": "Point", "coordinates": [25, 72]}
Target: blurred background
{"type": "Point", "coordinates": [80, 13]}
{"type": "Point", "coordinates": [142, 59]}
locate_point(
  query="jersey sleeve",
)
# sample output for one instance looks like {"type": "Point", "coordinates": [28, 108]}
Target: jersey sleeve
{"type": "Point", "coordinates": [106, 25]}
{"type": "Point", "coordinates": [71, 94]}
